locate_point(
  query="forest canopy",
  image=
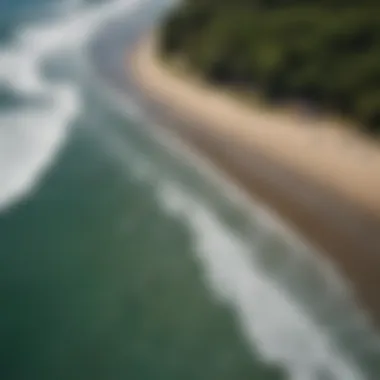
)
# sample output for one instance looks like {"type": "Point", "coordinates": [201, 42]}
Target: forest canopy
{"type": "Point", "coordinates": [326, 52]}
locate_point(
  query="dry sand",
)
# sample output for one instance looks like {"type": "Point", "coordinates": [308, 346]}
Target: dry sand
{"type": "Point", "coordinates": [322, 178]}
{"type": "Point", "coordinates": [337, 157]}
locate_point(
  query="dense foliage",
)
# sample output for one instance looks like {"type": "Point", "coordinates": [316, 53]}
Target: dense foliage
{"type": "Point", "coordinates": [324, 51]}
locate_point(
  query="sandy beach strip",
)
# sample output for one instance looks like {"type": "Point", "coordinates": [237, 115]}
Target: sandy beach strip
{"type": "Point", "coordinates": [324, 180]}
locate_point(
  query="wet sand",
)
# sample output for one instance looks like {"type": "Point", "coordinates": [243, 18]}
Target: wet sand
{"type": "Point", "coordinates": [327, 190]}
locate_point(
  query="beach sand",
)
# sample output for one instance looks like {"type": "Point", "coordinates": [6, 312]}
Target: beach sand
{"type": "Point", "coordinates": [322, 178]}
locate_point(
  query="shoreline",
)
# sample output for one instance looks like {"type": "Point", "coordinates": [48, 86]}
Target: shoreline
{"type": "Point", "coordinates": [273, 164]}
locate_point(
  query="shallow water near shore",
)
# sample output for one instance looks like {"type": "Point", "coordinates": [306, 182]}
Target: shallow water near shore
{"type": "Point", "coordinates": [123, 256]}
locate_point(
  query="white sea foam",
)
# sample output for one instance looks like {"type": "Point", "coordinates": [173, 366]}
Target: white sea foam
{"type": "Point", "coordinates": [31, 137]}
{"type": "Point", "coordinates": [29, 140]}
{"type": "Point", "coordinates": [271, 318]}
{"type": "Point", "coordinates": [272, 321]}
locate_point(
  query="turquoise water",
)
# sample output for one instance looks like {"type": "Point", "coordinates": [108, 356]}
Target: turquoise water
{"type": "Point", "coordinates": [125, 256]}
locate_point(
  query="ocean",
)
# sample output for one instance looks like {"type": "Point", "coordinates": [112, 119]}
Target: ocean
{"type": "Point", "coordinates": [126, 255]}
